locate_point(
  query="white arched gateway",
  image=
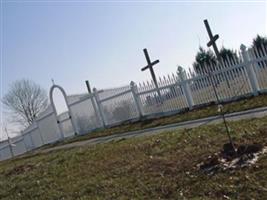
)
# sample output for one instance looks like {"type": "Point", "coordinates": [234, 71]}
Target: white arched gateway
{"type": "Point", "coordinates": [64, 120]}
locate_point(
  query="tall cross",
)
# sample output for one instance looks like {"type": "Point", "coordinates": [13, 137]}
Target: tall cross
{"type": "Point", "coordinates": [212, 43]}
{"type": "Point", "coordinates": [150, 67]}
{"type": "Point", "coordinates": [213, 39]}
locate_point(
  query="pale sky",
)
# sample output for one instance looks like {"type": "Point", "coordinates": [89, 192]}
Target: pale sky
{"type": "Point", "coordinates": [74, 41]}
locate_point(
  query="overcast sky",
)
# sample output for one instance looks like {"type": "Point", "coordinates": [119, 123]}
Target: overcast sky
{"type": "Point", "coordinates": [102, 42]}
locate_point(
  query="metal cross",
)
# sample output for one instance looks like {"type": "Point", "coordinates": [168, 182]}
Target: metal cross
{"type": "Point", "coordinates": [212, 43]}
{"type": "Point", "coordinates": [213, 39]}
{"type": "Point", "coordinates": [88, 86]}
{"type": "Point", "coordinates": [150, 67]}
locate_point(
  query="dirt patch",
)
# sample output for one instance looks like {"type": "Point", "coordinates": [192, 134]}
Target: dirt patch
{"type": "Point", "coordinates": [263, 130]}
{"type": "Point", "coordinates": [163, 167]}
{"type": "Point", "coordinates": [228, 158]}
{"type": "Point", "coordinates": [20, 169]}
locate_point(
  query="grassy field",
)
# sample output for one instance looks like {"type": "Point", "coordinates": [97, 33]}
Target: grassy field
{"type": "Point", "coordinates": [156, 167]}
{"type": "Point", "coordinates": [197, 113]}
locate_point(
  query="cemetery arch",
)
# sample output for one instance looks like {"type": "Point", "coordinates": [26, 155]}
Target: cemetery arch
{"type": "Point", "coordinates": [62, 91]}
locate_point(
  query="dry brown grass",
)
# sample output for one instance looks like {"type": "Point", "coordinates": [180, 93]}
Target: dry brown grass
{"type": "Point", "coordinates": [156, 167]}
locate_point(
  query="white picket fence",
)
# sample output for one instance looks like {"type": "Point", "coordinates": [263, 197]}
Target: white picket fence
{"type": "Point", "coordinates": [243, 76]}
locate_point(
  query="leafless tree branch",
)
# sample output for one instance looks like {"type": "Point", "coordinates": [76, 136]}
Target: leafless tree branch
{"type": "Point", "coordinates": [26, 100]}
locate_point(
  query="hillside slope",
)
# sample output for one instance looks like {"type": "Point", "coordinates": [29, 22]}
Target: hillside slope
{"type": "Point", "coordinates": [164, 166]}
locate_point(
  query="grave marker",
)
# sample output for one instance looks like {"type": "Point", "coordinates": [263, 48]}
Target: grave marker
{"type": "Point", "coordinates": [150, 67]}
{"type": "Point", "coordinates": [213, 39]}
{"type": "Point", "coordinates": [212, 43]}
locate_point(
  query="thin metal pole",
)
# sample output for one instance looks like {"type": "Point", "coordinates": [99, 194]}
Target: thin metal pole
{"type": "Point", "coordinates": [221, 113]}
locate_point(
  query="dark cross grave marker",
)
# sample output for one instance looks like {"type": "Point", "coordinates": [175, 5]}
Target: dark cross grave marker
{"type": "Point", "coordinates": [212, 43]}
{"type": "Point", "coordinates": [150, 67]}
{"type": "Point", "coordinates": [213, 39]}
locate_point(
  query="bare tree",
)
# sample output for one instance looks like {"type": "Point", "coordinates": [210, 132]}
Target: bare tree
{"type": "Point", "coordinates": [26, 100]}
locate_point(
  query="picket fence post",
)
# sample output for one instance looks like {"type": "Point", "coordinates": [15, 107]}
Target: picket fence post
{"type": "Point", "coordinates": [23, 133]}
{"type": "Point", "coordinates": [71, 118]}
{"type": "Point", "coordinates": [250, 70]}
{"type": "Point", "coordinates": [23, 139]}
{"type": "Point", "coordinates": [99, 105]}
{"type": "Point", "coordinates": [188, 93]}
{"type": "Point", "coordinates": [39, 130]}
{"type": "Point", "coordinates": [184, 81]}
{"type": "Point", "coordinates": [136, 98]}
{"type": "Point", "coordinates": [92, 99]}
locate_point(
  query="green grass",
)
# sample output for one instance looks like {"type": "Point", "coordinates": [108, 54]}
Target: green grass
{"type": "Point", "coordinates": [155, 167]}
{"type": "Point", "coordinates": [245, 104]}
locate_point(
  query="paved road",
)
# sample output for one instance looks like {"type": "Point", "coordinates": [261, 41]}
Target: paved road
{"type": "Point", "coordinates": [254, 113]}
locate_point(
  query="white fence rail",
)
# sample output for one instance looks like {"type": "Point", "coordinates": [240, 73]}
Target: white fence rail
{"type": "Point", "coordinates": [233, 78]}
